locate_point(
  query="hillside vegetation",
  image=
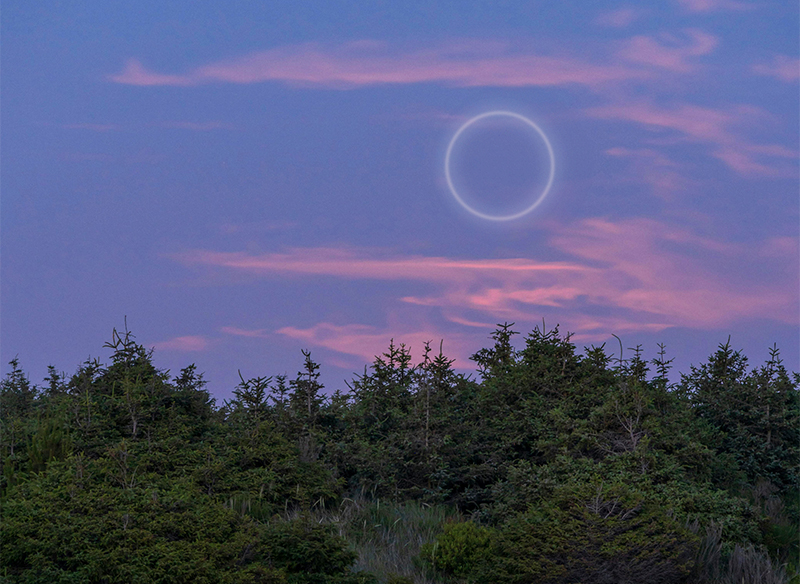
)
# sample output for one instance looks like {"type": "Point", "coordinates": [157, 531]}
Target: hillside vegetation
{"type": "Point", "coordinates": [550, 467]}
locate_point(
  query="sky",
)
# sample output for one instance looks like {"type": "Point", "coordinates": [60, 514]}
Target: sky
{"type": "Point", "coordinates": [242, 181]}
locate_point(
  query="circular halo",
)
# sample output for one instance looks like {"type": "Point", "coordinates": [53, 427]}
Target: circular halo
{"type": "Point", "coordinates": [452, 187]}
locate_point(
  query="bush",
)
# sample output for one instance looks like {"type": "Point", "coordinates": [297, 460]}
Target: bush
{"type": "Point", "coordinates": [307, 551]}
{"type": "Point", "coordinates": [609, 538]}
{"type": "Point", "coordinates": [460, 550]}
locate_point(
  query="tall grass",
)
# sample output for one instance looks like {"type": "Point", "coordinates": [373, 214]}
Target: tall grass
{"type": "Point", "coordinates": [388, 536]}
{"type": "Point", "coordinates": [742, 564]}
{"type": "Point", "coordinates": [244, 504]}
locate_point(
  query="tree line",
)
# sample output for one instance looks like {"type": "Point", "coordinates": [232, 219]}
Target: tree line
{"type": "Point", "coordinates": [558, 467]}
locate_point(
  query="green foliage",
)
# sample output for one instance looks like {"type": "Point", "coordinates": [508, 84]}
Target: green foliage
{"type": "Point", "coordinates": [399, 426]}
{"type": "Point", "coordinates": [17, 395]}
{"type": "Point", "coordinates": [251, 396]}
{"type": "Point", "coordinates": [308, 552]}
{"type": "Point", "coordinates": [306, 398]}
{"type": "Point", "coordinates": [51, 441]}
{"type": "Point", "coordinates": [17, 406]}
{"type": "Point", "coordinates": [719, 563]}
{"type": "Point", "coordinates": [610, 537]}
{"type": "Point", "coordinates": [460, 550]}
{"type": "Point", "coordinates": [573, 467]}
{"type": "Point", "coordinates": [70, 523]}
{"type": "Point", "coordinates": [757, 414]}
{"type": "Point", "coordinates": [397, 579]}
{"type": "Point", "coordinates": [388, 536]}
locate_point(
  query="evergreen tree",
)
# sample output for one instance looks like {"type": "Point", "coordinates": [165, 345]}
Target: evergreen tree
{"type": "Point", "coordinates": [757, 413]}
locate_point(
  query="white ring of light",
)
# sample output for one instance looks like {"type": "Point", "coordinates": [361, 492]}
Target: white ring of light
{"type": "Point", "coordinates": [461, 201]}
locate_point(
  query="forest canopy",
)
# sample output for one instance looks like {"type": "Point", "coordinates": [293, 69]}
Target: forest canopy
{"type": "Point", "coordinates": [551, 466]}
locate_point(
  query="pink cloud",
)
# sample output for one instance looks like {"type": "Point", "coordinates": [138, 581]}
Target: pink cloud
{"type": "Point", "coordinates": [653, 168]}
{"type": "Point", "coordinates": [187, 344]}
{"type": "Point", "coordinates": [362, 264]}
{"type": "Point", "coordinates": [134, 73]}
{"type": "Point", "coordinates": [462, 63]}
{"type": "Point", "coordinates": [646, 274]}
{"type": "Point", "coordinates": [786, 248]}
{"type": "Point", "coordinates": [618, 18]}
{"type": "Point", "coordinates": [676, 286]}
{"type": "Point", "coordinates": [714, 5]}
{"type": "Point", "coordinates": [668, 51]}
{"type": "Point", "coordinates": [363, 341]}
{"type": "Point", "coordinates": [709, 126]}
{"type": "Point", "coordinates": [782, 67]}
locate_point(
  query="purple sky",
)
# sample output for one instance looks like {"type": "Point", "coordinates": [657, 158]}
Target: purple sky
{"type": "Point", "coordinates": [246, 180]}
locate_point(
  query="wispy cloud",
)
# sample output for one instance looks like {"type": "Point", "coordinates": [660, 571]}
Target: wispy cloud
{"type": "Point", "coordinates": [351, 263]}
{"type": "Point", "coordinates": [710, 126]}
{"type": "Point", "coordinates": [621, 18]}
{"type": "Point", "coordinates": [782, 248]}
{"type": "Point", "coordinates": [714, 5]}
{"type": "Point", "coordinates": [656, 269]}
{"type": "Point", "coordinates": [668, 51]}
{"type": "Point", "coordinates": [468, 63]}
{"type": "Point", "coordinates": [365, 342]}
{"type": "Point", "coordinates": [782, 67]}
{"type": "Point", "coordinates": [636, 274]}
{"type": "Point", "coordinates": [648, 166]}
{"type": "Point", "coordinates": [187, 344]}
{"type": "Point", "coordinates": [134, 73]}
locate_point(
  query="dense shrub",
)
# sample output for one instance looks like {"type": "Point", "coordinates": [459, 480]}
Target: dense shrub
{"type": "Point", "coordinates": [611, 536]}
{"type": "Point", "coordinates": [307, 551]}
{"type": "Point", "coordinates": [460, 550]}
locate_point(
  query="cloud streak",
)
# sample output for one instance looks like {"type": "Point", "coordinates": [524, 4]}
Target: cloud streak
{"type": "Point", "coordinates": [371, 264]}
{"type": "Point", "coordinates": [186, 344]}
{"type": "Point", "coordinates": [653, 168]}
{"type": "Point", "coordinates": [620, 69]}
{"type": "Point", "coordinates": [635, 274]}
{"type": "Point", "coordinates": [621, 18]}
{"type": "Point", "coordinates": [710, 126]}
{"type": "Point", "coordinates": [668, 51]}
{"type": "Point", "coordinates": [362, 341]}
{"type": "Point", "coordinates": [362, 63]}
{"type": "Point", "coordinates": [782, 67]}
{"type": "Point", "coordinates": [701, 6]}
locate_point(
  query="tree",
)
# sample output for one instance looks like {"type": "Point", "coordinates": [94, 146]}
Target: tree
{"type": "Point", "coordinates": [757, 413]}
{"type": "Point", "coordinates": [17, 405]}
{"type": "Point", "coordinates": [306, 392]}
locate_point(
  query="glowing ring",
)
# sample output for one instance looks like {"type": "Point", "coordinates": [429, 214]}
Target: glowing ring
{"type": "Point", "coordinates": [499, 217]}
